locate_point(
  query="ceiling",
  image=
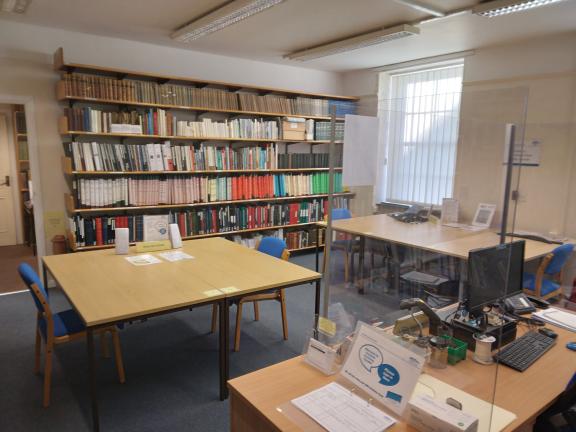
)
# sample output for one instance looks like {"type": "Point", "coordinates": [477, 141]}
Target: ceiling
{"type": "Point", "coordinates": [298, 24]}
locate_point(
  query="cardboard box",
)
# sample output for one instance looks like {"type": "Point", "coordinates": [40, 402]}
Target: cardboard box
{"type": "Point", "coordinates": [294, 130]}
{"type": "Point", "coordinates": [427, 414]}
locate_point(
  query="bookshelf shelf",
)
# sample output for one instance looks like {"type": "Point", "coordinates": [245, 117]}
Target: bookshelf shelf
{"type": "Point", "coordinates": [65, 98]}
{"type": "Point", "coordinates": [67, 167]}
{"type": "Point", "coordinates": [72, 241]}
{"type": "Point", "coordinates": [61, 65]}
{"type": "Point", "coordinates": [72, 210]}
{"type": "Point", "coordinates": [21, 135]}
{"type": "Point", "coordinates": [184, 138]}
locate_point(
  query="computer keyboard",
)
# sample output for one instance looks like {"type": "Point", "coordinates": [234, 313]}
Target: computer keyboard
{"type": "Point", "coordinates": [524, 351]}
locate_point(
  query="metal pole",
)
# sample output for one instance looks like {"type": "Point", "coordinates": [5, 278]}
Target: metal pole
{"type": "Point", "coordinates": [510, 136]}
{"type": "Point", "coordinates": [328, 236]}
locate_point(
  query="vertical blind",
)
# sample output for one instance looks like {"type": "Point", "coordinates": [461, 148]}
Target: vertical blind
{"type": "Point", "coordinates": [422, 134]}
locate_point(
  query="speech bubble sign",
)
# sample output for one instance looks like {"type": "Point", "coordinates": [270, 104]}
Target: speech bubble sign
{"type": "Point", "coordinates": [388, 374]}
{"type": "Point", "coordinates": [370, 357]}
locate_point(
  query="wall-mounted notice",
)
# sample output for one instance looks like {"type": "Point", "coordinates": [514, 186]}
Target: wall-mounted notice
{"type": "Point", "coordinates": [528, 154]}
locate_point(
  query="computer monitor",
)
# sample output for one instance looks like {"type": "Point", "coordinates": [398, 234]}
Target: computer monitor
{"type": "Point", "coordinates": [494, 273]}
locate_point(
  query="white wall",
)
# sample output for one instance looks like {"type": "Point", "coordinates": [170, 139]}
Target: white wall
{"type": "Point", "coordinates": [26, 70]}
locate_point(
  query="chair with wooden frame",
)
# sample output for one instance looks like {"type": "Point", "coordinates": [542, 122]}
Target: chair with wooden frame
{"type": "Point", "coordinates": [547, 282]}
{"type": "Point", "coordinates": [58, 328]}
{"type": "Point", "coordinates": [343, 242]}
{"type": "Point", "coordinates": [277, 248]}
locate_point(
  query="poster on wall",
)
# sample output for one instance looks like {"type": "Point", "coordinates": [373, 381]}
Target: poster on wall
{"type": "Point", "coordinates": [527, 154]}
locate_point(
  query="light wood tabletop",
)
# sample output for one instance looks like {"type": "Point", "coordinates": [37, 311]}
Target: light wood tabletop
{"type": "Point", "coordinates": [256, 397]}
{"type": "Point", "coordinates": [104, 287]}
{"type": "Point", "coordinates": [432, 237]}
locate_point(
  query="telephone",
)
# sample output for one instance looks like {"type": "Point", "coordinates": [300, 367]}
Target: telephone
{"type": "Point", "coordinates": [518, 304]}
{"type": "Point", "coordinates": [415, 214]}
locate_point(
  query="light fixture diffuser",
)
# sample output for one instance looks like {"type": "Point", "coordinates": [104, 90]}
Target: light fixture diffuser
{"type": "Point", "coordinates": [14, 6]}
{"type": "Point", "coordinates": [230, 13]}
{"type": "Point", "coordinates": [356, 42]}
{"type": "Point", "coordinates": [496, 8]}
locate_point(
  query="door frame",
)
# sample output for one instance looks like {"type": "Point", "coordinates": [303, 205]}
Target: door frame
{"type": "Point", "coordinates": [30, 110]}
{"type": "Point", "coordinates": [13, 168]}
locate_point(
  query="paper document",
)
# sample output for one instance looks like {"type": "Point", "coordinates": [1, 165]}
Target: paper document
{"type": "Point", "coordinates": [557, 317]}
{"type": "Point", "coordinates": [465, 226]}
{"type": "Point", "coordinates": [142, 260]}
{"type": "Point", "coordinates": [175, 256]}
{"type": "Point", "coordinates": [337, 409]}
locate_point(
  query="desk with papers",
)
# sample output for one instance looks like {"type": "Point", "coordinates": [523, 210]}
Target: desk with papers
{"type": "Point", "coordinates": [107, 289]}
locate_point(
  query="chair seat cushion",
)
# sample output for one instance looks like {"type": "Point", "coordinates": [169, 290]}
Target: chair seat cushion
{"type": "Point", "coordinates": [548, 286]}
{"type": "Point", "coordinates": [65, 323]}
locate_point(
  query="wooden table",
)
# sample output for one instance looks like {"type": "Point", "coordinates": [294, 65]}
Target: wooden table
{"type": "Point", "coordinates": [255, 397]}
{"type": "Point", "coordinates": [427, 236]}
{"type": "Point", "coordinates": [106, 289]}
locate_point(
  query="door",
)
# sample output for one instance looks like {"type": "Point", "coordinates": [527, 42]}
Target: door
{"type": "Point", "coordinates": [8, 187]}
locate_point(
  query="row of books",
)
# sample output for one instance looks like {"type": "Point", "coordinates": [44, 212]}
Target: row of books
{"type": "Point", "coordinates": [323, 131]}
{"type": "Point", "coordinates": [100, 230]}
{"type": "Point", "coordinates": [158, 190]}
{"type": "Point", "coordinates": [307, 160]}
{"type": "Point", "coordinates": [92, 86]}
{"type": "Point", "coordinates": [23, 150]}
{"type": "Point", "coordinates": [294, 238]}
{"type": "Point", "coordinates": [163, 123]}
{"type": "Point", "coordinates": [94, 156]}
{"type": "Point", "coordinates": [20, 122]}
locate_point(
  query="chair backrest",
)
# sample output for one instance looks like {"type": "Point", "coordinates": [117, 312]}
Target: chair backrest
{"type": "Point", "coordinates": [341, 213]}
{"type": "Point", "coordinates": [272, 246]}
{"type": "Point", "coordinates": [561, 255]}
{"type": "Point", "coordinates": [30, 277]}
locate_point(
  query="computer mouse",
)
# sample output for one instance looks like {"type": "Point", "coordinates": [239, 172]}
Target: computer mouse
{"type": "Point", "coordinates": [571, 346]}
{"type": "Point", "coordinates": [548, 332]}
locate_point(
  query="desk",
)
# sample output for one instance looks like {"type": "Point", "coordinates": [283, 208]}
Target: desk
{"type": "Point", "coordinates": [255, 396]}
{"type": "Point", "coordinates": [428, 236]}
{"type": "Point", "coordinates": [106, 289]}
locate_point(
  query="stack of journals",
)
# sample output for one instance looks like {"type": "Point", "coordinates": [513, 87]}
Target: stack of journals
{"type": "Point", "coordinates": [22, 150]}
{"type": "Point", "coordinates": [178, 189]}
{"type": "Point", "coordinates": [100, 230]}
{"type": "Point", "coordinates": [307, 160]}
{"type": "Point", "coordinates": [93, 156]}
{"type": "Point", "coordinates": [163, 123]}
{"type": "Point", "coordinates": [323, 131]}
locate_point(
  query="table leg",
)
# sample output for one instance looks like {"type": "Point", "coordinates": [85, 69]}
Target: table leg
{"type": "Point", "coordinates": [92, 378]}
{"type": "Point", "coordinates": [45, 276]}
{"type": "Point", "coordinates": [361, 265]}
{"type": "Point", "coordinates": [224, 330]}
{"type": "Point", "coordinates": [317, 248]}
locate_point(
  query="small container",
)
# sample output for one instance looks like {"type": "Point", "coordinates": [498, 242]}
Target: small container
{"type": "Point", "coordinates": [439, 354]}
{"type": "Point", "coordinates": [456, 349]}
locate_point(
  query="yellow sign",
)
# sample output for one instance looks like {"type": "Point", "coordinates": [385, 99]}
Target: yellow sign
{"type": "Point", "coordinates": [54, 224]}
{"type": "Point", "coordinates": [326, 326]}
{"type": "Point", "coordinates": [151, 246]}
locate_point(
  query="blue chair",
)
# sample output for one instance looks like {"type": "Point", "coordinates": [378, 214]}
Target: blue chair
{"type": "Point", "coordinates": [547, 282]}
{"type": "Point", "coordinates": [58, 328]}
{"type": "Point", "coordinates": [274, 247]}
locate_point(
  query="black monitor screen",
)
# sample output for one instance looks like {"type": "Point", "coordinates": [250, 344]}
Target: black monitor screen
{"type": "Point", "coordinates": [494, 273]}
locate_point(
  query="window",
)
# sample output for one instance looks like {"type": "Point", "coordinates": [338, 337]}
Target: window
{"type": "Point", "coordinates": [422, 116]}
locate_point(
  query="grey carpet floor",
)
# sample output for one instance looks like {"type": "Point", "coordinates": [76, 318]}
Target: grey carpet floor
{"type": "Point", "coordinates": [171, 363]}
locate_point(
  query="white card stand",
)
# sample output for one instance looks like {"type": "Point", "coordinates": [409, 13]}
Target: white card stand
{"type": "Point", "coordinates": [122, 240]}
{"type": "Point", "coordinates": [175, 237]}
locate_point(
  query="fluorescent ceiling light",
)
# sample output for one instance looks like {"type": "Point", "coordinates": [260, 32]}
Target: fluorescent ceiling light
{"type": "Point", "coordinates": [356, 42]}
{"type": "Point", "coordinates": [504, 7]}
{"type": "Point", "coordinates": [230, 13]}
{"type": "Point", "coordinates": [14, 6]}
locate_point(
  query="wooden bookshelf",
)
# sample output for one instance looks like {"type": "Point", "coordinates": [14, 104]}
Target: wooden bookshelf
{"type": "Point", "coordinates": [61, 65]}
{"type": "Point", "coordinates": [73, 210]}
{"type": "Point", "coordinates": [122, 98]}
{"type": "Point", "coordinates": [72, 240]}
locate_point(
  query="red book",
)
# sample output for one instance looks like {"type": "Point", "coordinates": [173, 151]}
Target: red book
{"type": "Point", "coordinates": [234, 188]}
{"type": "Point", "coordinates": [182, 224]}
{"type": "Point", "coordinates": [99, 239]}
{"type": "Point", "coordinates": [214, 221]}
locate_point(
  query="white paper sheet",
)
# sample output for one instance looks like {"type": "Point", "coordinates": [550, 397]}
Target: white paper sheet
{"type": "Point", "coordinates": [557, 317]}
{"type": "Point", "coordinates": [361, 136]}
{"type": "Point", "coordinates": [337, 409]}
{"type": "Point", "coordinates": [142, 260]}
{"type": "Point", "coordinates": [173, 256]}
